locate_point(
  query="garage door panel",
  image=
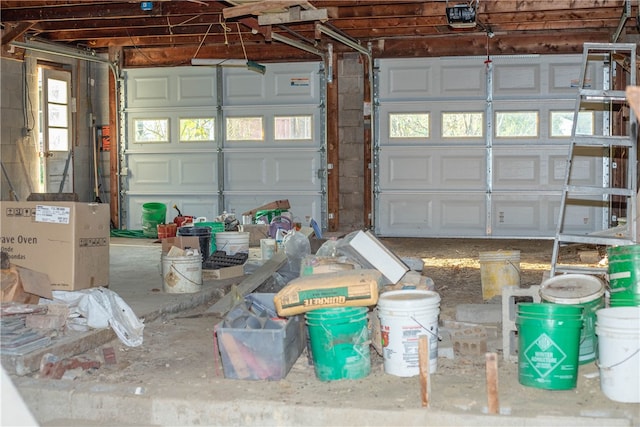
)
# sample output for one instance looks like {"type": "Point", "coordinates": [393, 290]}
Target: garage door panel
{"type": "Point", "coordinates": [246, 171]}
{"type": "Point", "coordinates": [149, 171]}
{"type": "Point", "coordinates": [193, 90]}
{"type": "Point", "coordinates": [517, 168]}
{"type": "Point", "coordinates": [406, 168]}
{"type": "Point", "coordinates": [296, 172]}
{"type": "Point", "coordinates": [432, 168]}
{"type": "Point", "coordinates": [432, 214]}
{"type": "Point", "coordinates": [268, 170]}
{"type": "Point", "coordinates": [524, 215]}
{"type": "Point", "coordinates": [583, 216]}
{"type": "Point", "coordinates": [463, 170]}
{"type": "Point", "coordinates": [460, 80]}
{"type": "Point", "coordinates": [147, 91]}
{"type": "Point", "coordinates": [197, 172]}
{"type": "Point", "coordinates": [517, 78]}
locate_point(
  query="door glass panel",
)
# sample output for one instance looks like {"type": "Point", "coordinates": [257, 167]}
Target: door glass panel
{"type": "Point", "coordinates": [58, 115]}
{"type": "Point", "coordinates": [57, 91]}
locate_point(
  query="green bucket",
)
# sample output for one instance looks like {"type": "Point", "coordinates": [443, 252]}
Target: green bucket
{"type": "Point", "coordinates": [624, 300]}
{"type": "Point", "coordinates": [624, 271]}
{"type": "Point", "coordinates": [340, 341]}
{"type": "Point", "coordinates": [548, 345]}
{"type": "Point", "coordinates": [215, 228]}
{"type": "Point", "coordinates": [580, 290]}
{"type": "Point", "coordinates": [153, 214]}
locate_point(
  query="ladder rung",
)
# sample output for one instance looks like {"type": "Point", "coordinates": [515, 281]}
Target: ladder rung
{"type": "Point", "coordinates": [565, 268]}
{"type": "Point", "coordinates": [597, 191]}
{"type": "Point", "coordinates": [596, 240]}
{"type": "Point", "coordinates": [600, 95]}
{"type": "Point", "coordinates": [602, 140]}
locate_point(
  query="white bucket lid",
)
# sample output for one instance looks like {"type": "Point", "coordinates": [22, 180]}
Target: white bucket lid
{"type": "Point", "coordinates": [571, 289]}
{"type": "Point", "coordinates": [406, 298]}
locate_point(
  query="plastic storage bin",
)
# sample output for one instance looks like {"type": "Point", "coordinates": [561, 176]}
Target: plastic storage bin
{"type": "Point", "coordinates": [256, 345]}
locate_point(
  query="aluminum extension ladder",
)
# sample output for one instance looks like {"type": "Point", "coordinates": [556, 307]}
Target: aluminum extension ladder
{"type": "Point", "coordinates": [609, 146]}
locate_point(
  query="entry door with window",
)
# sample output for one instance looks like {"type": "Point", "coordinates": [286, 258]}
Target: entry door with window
{"type": "Point", "coordinates": [56, 151]}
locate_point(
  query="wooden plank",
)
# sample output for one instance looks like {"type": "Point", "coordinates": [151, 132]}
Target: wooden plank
{"type": "Point", "coordinates": [259, 7]}
{"type": "Point", "coordinates": [294, 15]}
{"type": "Point", "coordinates": [248, 285]}
{"type": "Point", "coordinates": [493, 404]}
{"type": "Point", "coordinates": [424, 362]}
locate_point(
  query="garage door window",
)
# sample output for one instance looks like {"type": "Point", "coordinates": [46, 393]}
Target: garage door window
{"type": "Point", "coordinates": [517, 124]}
{"type": "Point", "coordinates": [197, 130]}
{"type": "Point", "coordinates": [462, 125]}
{"type": "Point", "coordinates": [292, 128]}
{"type": "Point", "coordinates": [562, 123]}
{"type": "Point", "coordinates": [408, 125]}
{"type": "Point", "coordinates": [244, 129]}
{"type": "Point", "coordinates": [151, 130]}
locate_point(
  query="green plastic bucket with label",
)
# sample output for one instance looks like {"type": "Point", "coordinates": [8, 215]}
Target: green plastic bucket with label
{"type": "Point", "coordinates": [624, 271]}
{"type": "Point", "coordinates": [548, 345]}
{"type": "Point", "coordinates": [584, 291]}
{"type": "Point", "coordinates": [339, 339]}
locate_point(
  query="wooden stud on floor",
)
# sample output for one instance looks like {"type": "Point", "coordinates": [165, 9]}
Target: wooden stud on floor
{"type": "Point", "coordinates": [423, 360]}
{"type": "Point", "coordinates": [493, 404]}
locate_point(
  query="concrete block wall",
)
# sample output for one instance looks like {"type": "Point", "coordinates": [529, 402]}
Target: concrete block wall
{"type": "Point", "coordinates": [351, 134]}
{"type": "Point", "coordinates": [18, 151]}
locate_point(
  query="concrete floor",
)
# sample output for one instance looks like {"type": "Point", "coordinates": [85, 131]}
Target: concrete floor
{"type": "Point", "coordinates": [135, 272]}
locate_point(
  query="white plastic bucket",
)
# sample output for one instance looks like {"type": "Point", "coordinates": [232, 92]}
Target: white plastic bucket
{"type": "Point", "coordinates": [618, 330]}
{"type": "Point", "coordinates": [498, 269]}
{"type": "Point", "coordinates": [405, 315]}
{"type": "Point", "coordinates": [181, 274]}
{"type": "Point", "coordinates": [232, 242]}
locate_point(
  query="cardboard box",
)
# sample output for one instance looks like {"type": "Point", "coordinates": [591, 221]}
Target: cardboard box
{"type": "Point", "coordinates": [256, 232]}
{"type": "Point", "coordinates": [223, 273]}
{"type": "Point", "coordinates": [68, 241]}
{"type": "Point", "coordinates": [371, 253]}
{"type": "Point", "coordinates": [182, 242]}
{"type": "Point", "coordinates": [265, 352]}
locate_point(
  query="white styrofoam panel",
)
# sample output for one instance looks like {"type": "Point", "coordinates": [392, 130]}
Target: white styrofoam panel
{"type": "Point", "coordinates": [267, 170]}
{"type": "Point", "coordinates": [432, 168]}
{"type": "Point", "coordinates": [431, 214]}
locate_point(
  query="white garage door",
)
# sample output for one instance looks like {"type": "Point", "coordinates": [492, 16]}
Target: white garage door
{"type": "Point", "coordinates": [210, 140]}
{"type": "Point", "coordinates": [464, 148]}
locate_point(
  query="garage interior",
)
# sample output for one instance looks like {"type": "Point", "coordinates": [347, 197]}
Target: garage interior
{"type": "Point", "coordinates": [444, 128]}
